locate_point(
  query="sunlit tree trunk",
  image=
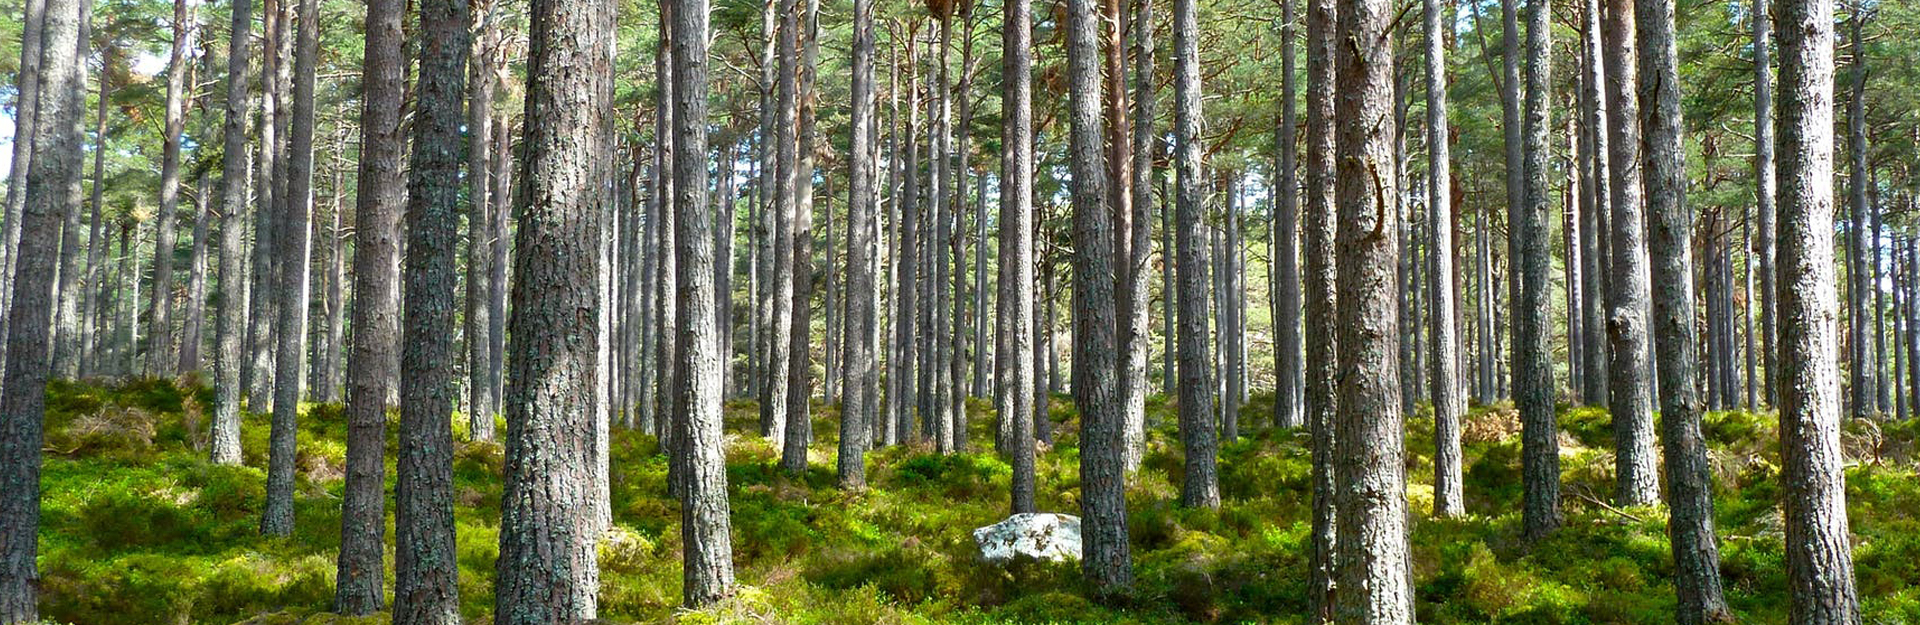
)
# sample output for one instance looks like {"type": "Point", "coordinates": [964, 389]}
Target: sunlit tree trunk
{"type": "Point", "coordinates": [1320, 391]}
{"type": "Point", "coordinates": [1016, 249]}
{"type": "Point", "coordinates": [1637, 482]}
{"type": "Point", "coordinates": [1448, 405]}
{"type": "Point", "coordinates": [1200, 487]}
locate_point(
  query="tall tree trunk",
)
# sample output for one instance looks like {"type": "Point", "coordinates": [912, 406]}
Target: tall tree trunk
{"type": "Point", "coordinates": [779, 330]}
{"type": "Point", "coordinates": [1532, 364]}
{"type": "Point", "coordinates": [52, 186]}
{"type": "Point", "coordinates": [479, 223]}
{"type": "Point", "coordinates": [234, 178]}
{"type": "Point", "coordinates": [293, 240]}
{"type": "Point", "coordinates": [1017, 295]}
{"type": "Point", "coordinates": [904, 378]}
{"type": "Point", "coordinates": [1200, 487]}
{"type": "Point", "coordinates": [262, 318]}
{"type": "Point", "coordinates": [1860, 392]}
{"type": "Point", "coordinates": [708, 563]}
{"type": "Point", "coordinates": [861, 388]}
{"type": "Point", "coordinates": [1321, 370]}
{"type": "Point", "coordinates": [1596, 204]}
{"type": "Point", "coordinates": [1448, 405]}
{"type": "Point", "coordinates": [547, 571]}
{"type": "Point", "coordinates": [426, 589]}
{"type": "Point", "coordinates": [1375, 568]}
{"type": "Point", "coordinates": [1627, 288]}
{"type": "Point", "coordinates": [373, 360]}
{"type": "Point", "coordinates": [1819, 556]}
{"type": "Point", "coordinates": [1689, 477]}
{"type": "Point", "coordinates": [69, 342]}
{"type": "Point", "coordinates": [1285, 233]}
{"type": "Point", "coordinates": [1127, 150]}
{"type": "Point", "coordinates": [1764, 186]}
{"type": "Point", "coordinates": [26, 96]}
{"type": "Point", "coordinates": [160, 357]}
{"type": "Point", "coordinates": [1108, 563]}
{"type": "Point", "coordinates": [502, 199]}
{"type": "Point", "coordinates": [799, 419]}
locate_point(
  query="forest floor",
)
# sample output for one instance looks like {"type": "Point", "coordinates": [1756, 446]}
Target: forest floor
{"type": "Point", "coordinates": [138, 527]}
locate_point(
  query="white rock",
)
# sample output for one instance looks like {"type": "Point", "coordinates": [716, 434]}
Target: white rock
{"type": "Point", "coordinates": [1045, 536]}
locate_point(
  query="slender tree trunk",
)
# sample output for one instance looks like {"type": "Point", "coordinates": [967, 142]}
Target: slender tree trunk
{"type": "Point", "coordinates": [1819, 556]}
{"type": "Point", "coordinates": [69, 342]}
{"type": "Point", "coordinates": [1596, 204]}
{"type": "Point", "coordinates": [192, 323]}
{"type": "Point", "coordinates": [479, 223]}
{"type": "Point", "coordinates": [1689, 477]}
{"type": "Point", "coordinates": [779, 331]}
{"type": "Point", "coordinates": [1201, 485]}
{"type": "Point", "coordinates": [861, 389]}
{"type": "Point", "coordinates": [234, 179]}
{"type": "Point", "coordinates": [1108, 563]}
{"type": "Point", "coordinates": [1861, 393]}
{"type": "Point", "coordinates": [1016, 249]}
{"type": "Point", "coordinates": [1129, 164]}
{"type": "Point", "coordinates": [1448, 406]}
{"type": "Point", "coordinates": [1374, 567]}
{"type": "Point", "coordinates": [1627, 288]}
{"type": "Point", "coordinates": [52, 186]}
{"type": "Point", "coordinates": [799, 419]}
{"type": "Point", "coordinates": [1286, 239]}
{"type": "Point", "coordinates": [294, 241]}
{"type": "Point", "coordinates": [547, 571]}
{"type": "Point", "coordinates": [26, 96]}
{"type": "Point", "coordinates": [160, 330]}
{"type": "Point", "coordinates": [257, 373]}
{"type": "Point", "coordinates": [1321, 370]}
{"type": "Point", "coordinates": [1764, 186]}
{"type": "Point", "coordinates": [372, 362]}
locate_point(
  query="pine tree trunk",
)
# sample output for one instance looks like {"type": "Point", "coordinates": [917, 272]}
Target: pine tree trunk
{"type": "Point", "coordinates": [1016, 251]}
{"type": "Point", "coordinates": [1689, 476]}
{"type": "Point", "coordinates": [294, 241]}
{"type": "Point", "coordinates": [1129, 164]}
{"type": "Point", "coordinates": [1637, 482]}
{"type": "Point", "coordinates": [862, 376]}
{"type": "Point", "coordinates": [1108, 563]}
{"type": "Point", "coordinates": [779, 330]}
{"type": "Point", "coordinates": [1764, 193]}
{"type": "Point", "coordinates": [1285, 233]}
{"type": "Point", "coordinates": [1597, 206]}
{"type": "Point", "coordinates": [1321, 370]}
{"type": "Point", "coordinates": [1819, 556]}
{"type": "Point", "coordinates": [262, 318]}
{"type": "Point", "coordinates": [1448, 405]}
{"type": "Point", "coordinates": [1532, 366]}
{"type": "Point", "coordinates": [479, 223]}
{"type": "Point", "coordinates": [52, 186]}
{"type": "Point", "coordinates": [234, 178]}
{"type": "Point", "coordinates": [1374, 567]}
{"type": "Point", "coordinates": [1861, 393]}
{"type": "Point", "coordinates": [1200, 487]}
{"type": "Point", "coordinates": [69, 343]}
{"type": "Point", "coordinates": [160, 329]}
{"type": "Point", "coordinates": [547, 570]}
{"type": "Point", "coordinates": [425, 570]}
{"type": "Point", "coordinates": [192, 323]}
{"type": "Point", "coordinates": [799, 419]}
{"type": "Point", "coordinates": [26, 88]}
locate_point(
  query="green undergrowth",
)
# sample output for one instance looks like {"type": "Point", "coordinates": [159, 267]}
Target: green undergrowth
{"type": "Point", "coordinates": [138, 527]}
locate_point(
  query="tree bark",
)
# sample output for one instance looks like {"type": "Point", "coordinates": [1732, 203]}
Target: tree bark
{"type": "Point", "coordinates": [1860, 392]}
{"type": "Point", "coordinates": [52, 186]}
{"type": "Point", "coordinates": [1018, 305]}
{"type": "Point", "coordinates": [1321, 344]}
{"type": "Point", "coordinates": [480, 285]}
{"type": "Point", "coordinates": [1637, 482]}
{"type": "Point", "coordinates": [547, 570]}
{"type": "Point", "coordinates": [1108, 563]}
{"type": "Point", "coordinates": [1448, 405]}
{"type": "Point", "coordinates": [1285, 232]}
{"type": "Point", "coordinates": [779, 331]}
{"type": "Point", "coordinates": [1200, 487]}
{"type": "Point", "coordinates": [1819, 556]}
{"type": "Point", "coordinates": [160, 357]}
{"type": "Point", "coordinates": [293, 240]}
{"type": "Point", "coordinates": [192, 323]}
{"type": "Point", "coordinates": [799, 419]}
{"type": "Point", "coordinates": [235, 175]}
{"type": "Point", "coordinates": [1596, 205]}
{"type": "Point", "coordinates": [26, 89]}
{"type": "Point", "coordinates": [1532, 366]}
{"type": "Point", "coordinates": [861, 388]}
{"type": "Point", "coordinates": [1764, 188]}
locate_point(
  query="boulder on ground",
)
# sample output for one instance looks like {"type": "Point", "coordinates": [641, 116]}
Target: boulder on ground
{"type": "Point", "coordinates": [1036, 536]}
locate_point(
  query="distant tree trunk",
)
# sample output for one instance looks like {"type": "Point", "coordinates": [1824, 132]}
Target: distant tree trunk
{"type": "Point", "coordinates": [1448, 406]}
{"type": "Point", "coordinates": [861, 389]}
{"type": "Point", "coordinates": [1108, 563]}
{"type": "Point", "coordinates": [1232, 330]}
{"type": "Point", "coordinates": [666, 275]}
{"type": "Point", "coordinates": [779, 331]}
{"type": "Point", "coordinates": [904, 378]}
{"type": "Point", "coordinates": [293, 239]}
{"type": "Point", "coordinates": [1596, 208]}
{"type": "Point", "coordinates": [479, 223]}
{"type": "Point", "coordinates": [1689, 477]}
{"type": "Point", "coordinates": [425, 568]}
{"type": "Point", "coordinates": [1374, 566]}
{"type": "Point", "coordinates": [192, 323]}
{"type": "Point", "coordinates": [1201, 485]}
{"type": "Point", "coordinates": [723, 262]}
{"type": "Point", "coordinates": [1763, 182]}
{"type": "Point", "coordinates": [502, 199]}
{"type": "Point", "coordinates": [547, 571]}
{"type": "Point", "coordinates": [1016, 249]}
{"type": "Point", "coordinates": [1321, 370]}
{"type": "Point", "coordinates": [257, 372]}
{"type": "Point", "coordinates": [69, 342]}
{"type": "Point", "coordinates": [160, 330]}
{"type": "Point", "coordinates": [1532, 366]}
{"type": "Point", "coordinates": [52, 186]}
{"type": "Point", "coordinates": [1861, 393]}
{"type": "Point", "coordinates": [26, 88]}
{"type": "Point", "coordinates": [1286, 239]}
{"type": "Point", "coordinates": [1627, 288]}
{"type": "Point", "coordinates": [1819, 556]}
{"type": "Point", "coordinates": [1130, 165]}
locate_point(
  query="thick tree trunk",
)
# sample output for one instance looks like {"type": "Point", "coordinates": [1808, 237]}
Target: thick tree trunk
{"type": "Point", "coordinates": [234, 178]}
{"type": "Point", "coordinates": [1448, 405]}
{"type": "Point", "coordinates": [1637, 482]}
{"type": "Point", "coordinates": [1321, 370]}
{"type": "Point", "coordinates": [1689, 477]}
{"type": "Point", "coordinates": [1200, 487]}
{"type": "Point", "coordinates": [1374, 564]}
{"type": "Point", "coordinates": [426, 589]}
{"type": "Point", "coordinates": [1108, 563]}
{"type": "Point", "coordinates": [547, 571]}
{"type": "Point", "coordinates": [1129, 165]}
{"type": "Point", "coordinates": [799, 418]}
{"type": "Point", "coordinates": [1819, 556]}
{"type": "Point", "coordinates": [51, 188]}
{"type": "Point", "coordinates": [262, 318]}
{"type": "Point", "coordinates": [69, 341]}
{"type": "Point", "coordinates": [26, 89]}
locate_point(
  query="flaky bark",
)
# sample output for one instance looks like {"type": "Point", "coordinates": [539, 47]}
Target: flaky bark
{"type": "Point", "coordinates": [1532, 366]}
{"type": "Point", "coordinates": [1320, 392]}
{"type": "Point", "coordinates": [1819, 556]}
{"type": "Point", "coordinates": [861, 389]}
